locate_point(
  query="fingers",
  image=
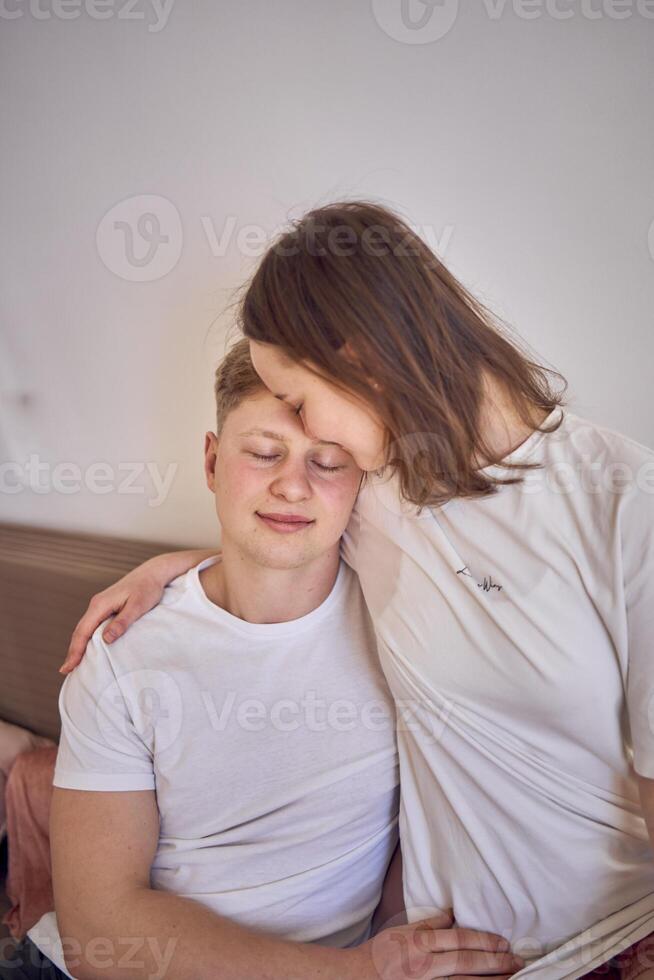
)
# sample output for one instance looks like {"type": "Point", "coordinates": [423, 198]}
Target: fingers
{"type": "Point", "coordinates": [471, 962]}
{"type": "Point", "coordinates": [443, 940]}
{"type": "Point", "coordinates": [424, 950]}
{"type": "Point", "coordinates": [83, 633]}
{"type": "Point", "coordinates": [137, 605]}
{"type": "Point", "coordinates": [443, 920]}
{"type": "Point", "coordinates": [118, 624]}
{"type": "Point", "coordinates": [100, 607]}
{"type": "Point", "coordinates": [113, 602]}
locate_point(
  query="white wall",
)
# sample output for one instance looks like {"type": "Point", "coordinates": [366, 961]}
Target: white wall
{"type": "Point", "coordinates": [518, 137]}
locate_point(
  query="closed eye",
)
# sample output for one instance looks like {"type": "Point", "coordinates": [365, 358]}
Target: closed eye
{"type": "Point", "coordinates": [321, 466]}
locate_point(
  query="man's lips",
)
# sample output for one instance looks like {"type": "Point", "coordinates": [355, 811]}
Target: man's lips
{"type": "Point", "coordinates": [285, 522]}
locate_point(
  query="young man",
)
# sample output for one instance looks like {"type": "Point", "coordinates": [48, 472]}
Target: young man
{"type": "Point", "coordinates": [226, 787]}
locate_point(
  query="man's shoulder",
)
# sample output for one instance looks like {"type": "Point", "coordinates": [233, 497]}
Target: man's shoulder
{"type": "Point", "coordinates": [162, 633]}
{"type": "Point", "coordinates": [173, 605]}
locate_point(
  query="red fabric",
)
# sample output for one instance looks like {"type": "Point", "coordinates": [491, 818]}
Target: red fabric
{"type": "Point", "coordinates": [629, 964]}
{"type": "Point", "coordinates": [29, 876]}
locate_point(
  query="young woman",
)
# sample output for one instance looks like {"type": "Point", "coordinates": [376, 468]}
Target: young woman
{"type": "Point", "coordinates": [505, 548]}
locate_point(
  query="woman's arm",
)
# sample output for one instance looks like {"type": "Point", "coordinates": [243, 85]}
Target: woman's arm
{"type": "Point", "coordinates": [128, 599]}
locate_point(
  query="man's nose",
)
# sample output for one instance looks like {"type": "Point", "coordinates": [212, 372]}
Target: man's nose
{"type": "Point", "coordinates": [292, 483]}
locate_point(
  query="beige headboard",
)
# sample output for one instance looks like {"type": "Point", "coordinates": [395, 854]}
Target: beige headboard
{"type": "Point", "coordinates": [46, 580]}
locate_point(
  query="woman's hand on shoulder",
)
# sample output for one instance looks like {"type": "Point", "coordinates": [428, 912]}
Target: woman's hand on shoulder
{"type": "Point", "coordinates": [127, 600]}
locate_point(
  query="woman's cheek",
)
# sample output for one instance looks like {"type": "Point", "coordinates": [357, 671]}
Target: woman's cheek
{"type": "Point", "coordinates": [321, 424]}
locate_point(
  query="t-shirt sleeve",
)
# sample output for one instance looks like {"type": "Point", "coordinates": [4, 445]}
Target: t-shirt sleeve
{"type": "Point", "coordinates": [100, 747]}
{"type": "Point", "coordinates": [637, 533]}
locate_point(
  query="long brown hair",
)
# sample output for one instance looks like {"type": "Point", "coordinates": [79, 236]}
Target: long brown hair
{"type": "Point", "coordinates": [418, 343]}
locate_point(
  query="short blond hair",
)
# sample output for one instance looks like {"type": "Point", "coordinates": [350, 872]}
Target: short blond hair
{"type": "Point", "coordinates": [235, 379]}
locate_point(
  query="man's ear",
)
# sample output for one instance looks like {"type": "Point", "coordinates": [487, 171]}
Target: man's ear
{"type": "Point", "coordinates": [210, 455]}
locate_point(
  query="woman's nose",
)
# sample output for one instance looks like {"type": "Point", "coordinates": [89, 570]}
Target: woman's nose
{"type": "Point", "coordinates": [307, 431]}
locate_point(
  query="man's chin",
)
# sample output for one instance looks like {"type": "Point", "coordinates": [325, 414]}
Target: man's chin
{"type": "Point", "coordinates": [282, 557]}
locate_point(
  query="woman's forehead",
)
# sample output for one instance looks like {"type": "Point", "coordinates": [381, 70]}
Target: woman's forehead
{"type": "Point", "coordinates": [273, 357]}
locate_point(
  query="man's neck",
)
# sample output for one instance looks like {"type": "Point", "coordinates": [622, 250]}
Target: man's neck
{"type": "Point", "coordinates": [259, 594]}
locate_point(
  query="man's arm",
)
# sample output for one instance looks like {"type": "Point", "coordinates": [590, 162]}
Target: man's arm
{"type": "Point", "coordinates": [114, 925]}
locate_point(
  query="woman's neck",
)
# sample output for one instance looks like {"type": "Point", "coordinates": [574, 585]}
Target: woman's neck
{"type": "Point", "coordinates": [502, 428]}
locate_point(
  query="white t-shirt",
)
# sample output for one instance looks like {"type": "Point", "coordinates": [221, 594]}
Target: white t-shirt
{"type": "Point", "coordinates": [271, 748]}
{"type": "Point", "coordinates": [517, 635]}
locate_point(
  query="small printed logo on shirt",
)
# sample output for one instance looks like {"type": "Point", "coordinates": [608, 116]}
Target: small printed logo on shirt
{"type": "Point", "coordinates": [486, 585]}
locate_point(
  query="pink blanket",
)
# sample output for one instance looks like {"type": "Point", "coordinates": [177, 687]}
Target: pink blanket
{"type": "Point", "coordinates": [13, 741]}
{"type": "Point", "coordinates": [29, 877]}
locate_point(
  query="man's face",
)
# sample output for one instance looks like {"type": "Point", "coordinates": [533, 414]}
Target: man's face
{"type": "Point", "coordinates": [264, 470]}
{"type": "Point", "coordinates": [326, 411]}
